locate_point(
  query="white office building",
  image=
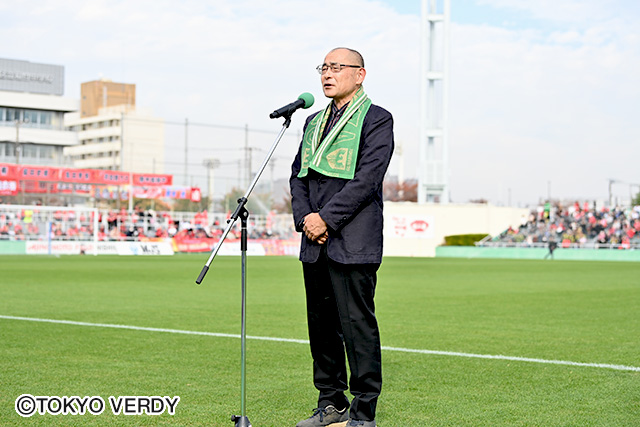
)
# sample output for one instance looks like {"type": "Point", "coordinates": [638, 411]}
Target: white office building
{"type": "Point", "coordinates": [117, 138]}
{"type": "Point", "coordinates": [32, 108]}
{"type": "Point", "coordinates": [113, 133]}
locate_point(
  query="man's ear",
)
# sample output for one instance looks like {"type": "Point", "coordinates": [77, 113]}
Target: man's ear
{"type": "Point", "coordinates": [360, 75]}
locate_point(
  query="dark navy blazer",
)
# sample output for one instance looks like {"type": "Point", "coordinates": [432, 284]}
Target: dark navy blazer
{"type": "Point", "coordinates": [352, 208]}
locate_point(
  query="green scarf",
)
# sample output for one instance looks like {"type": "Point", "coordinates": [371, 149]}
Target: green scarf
{"type": "Point", "coordinates": [337, 153]}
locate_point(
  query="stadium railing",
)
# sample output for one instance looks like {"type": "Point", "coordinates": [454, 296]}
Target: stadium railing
{"type": "Point", "coordinates": [26, 222]}
{"type": "Point", "coordinates": [587, 245]}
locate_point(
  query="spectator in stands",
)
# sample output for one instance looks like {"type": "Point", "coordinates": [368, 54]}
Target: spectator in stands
{"type": "Point", "coordinates": [578, 225]}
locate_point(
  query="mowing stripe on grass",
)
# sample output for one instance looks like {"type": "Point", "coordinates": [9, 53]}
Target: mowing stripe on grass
{"type": "Point", "coordinates": [290, 340]}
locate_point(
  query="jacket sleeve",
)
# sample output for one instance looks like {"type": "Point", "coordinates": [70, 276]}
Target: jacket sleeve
{"type": "Point", "coordinates": [300, 203]}
{"type": "Point", "coordinates": [373, 160]}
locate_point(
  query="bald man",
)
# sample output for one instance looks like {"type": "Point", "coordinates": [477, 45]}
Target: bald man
{"type": "Point", "coordinates": [336, 189]}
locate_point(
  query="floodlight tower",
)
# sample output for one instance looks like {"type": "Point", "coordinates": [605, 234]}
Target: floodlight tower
{"type": "Point", "coordinates": [433, 174]}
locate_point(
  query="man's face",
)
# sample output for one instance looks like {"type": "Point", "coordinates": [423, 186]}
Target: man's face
{"type": "Point", "coordinates": [343, 85]}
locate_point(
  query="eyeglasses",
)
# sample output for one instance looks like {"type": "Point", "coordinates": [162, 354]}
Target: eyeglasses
{"type": "Point", "coordinates": [335, 67]}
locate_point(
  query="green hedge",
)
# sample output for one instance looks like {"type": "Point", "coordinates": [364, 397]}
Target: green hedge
{"type": "Point", "coordinates": [463, 239]}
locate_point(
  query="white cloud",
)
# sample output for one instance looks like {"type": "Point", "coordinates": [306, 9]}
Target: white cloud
{"type": "Point", "coordinates": [529, 105]}
{"type": "Point", "coordinates": [543, 108]}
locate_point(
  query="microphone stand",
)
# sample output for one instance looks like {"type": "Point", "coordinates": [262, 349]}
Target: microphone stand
{"type": "Point", "coordinates": [242, 213]}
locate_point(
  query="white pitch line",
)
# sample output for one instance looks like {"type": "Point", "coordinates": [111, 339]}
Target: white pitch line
{"type": "Point", "coordinates": [516, 359]}
{"type": "Point", "coordinates": [290, 340]}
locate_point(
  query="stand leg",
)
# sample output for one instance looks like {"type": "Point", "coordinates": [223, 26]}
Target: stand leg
{"type": "Point", "coordinates": [243, 421]}
{"type": "Point", "coordinates": [241, 212]}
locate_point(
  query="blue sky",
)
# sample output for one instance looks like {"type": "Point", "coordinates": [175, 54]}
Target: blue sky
{"type": "Point", "coordinates": [543, 92]}
{"type": "Point", "coordinates": [519, 13]}
{"type": "Point", "coordinates": [475, 13]}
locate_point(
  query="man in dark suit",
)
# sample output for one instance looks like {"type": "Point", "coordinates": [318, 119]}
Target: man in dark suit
{"type": "Point", "coordinates": [336, 188]}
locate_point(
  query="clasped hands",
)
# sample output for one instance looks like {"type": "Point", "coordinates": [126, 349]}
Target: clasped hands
{"type": "Point", "coordinates": [315, 228]}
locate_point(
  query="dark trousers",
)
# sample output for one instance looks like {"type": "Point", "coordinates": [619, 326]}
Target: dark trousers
{"type": "Point", "coordinates": [341, 315]}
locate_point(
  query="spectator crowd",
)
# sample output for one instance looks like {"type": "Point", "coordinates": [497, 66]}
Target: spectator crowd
{"type": "Point", "coordinates": [573, 226]}
{"type": "Point", "coordinates": [577, 226]}
{"type": "Point", "coordinates": [122, 225]}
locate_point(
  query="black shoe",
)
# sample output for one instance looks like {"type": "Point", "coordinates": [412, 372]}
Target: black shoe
{"type": "Point", "coordinates": [325, 416]}
{"type": "Point", "coordinates": [360, 423]}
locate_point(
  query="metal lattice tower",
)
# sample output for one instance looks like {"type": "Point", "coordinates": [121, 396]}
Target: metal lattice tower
{"type": "Point", "coordinates": [433, 173]}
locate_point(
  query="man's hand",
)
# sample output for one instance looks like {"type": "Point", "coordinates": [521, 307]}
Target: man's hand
{"type": "Point", "coordinates": [315, 228]}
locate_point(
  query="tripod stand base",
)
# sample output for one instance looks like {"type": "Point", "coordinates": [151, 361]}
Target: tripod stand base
{"type": "Point", "coordinates": [241, 421]}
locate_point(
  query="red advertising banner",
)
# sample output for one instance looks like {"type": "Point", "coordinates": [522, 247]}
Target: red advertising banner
{"type": "Point", "coordinates": [148, 179]}
{"type": "Point", "coordinates": [177, 192]}
{"type": "Point", "coordinates": [111, 192]}
{"type": "Point", "coordinates": [112, 177]}
{"type": "Point", "coordinates": [148, 192]}
{"type": "Point", "coordinates": [232, 246]}
{"type": "Point", "coordinates": [193, 244]}
{"type": "Point", "coordinates": [8, 171]}
{"type": "Point", "coordinates": [29, 186]}
{"type": "Point", "coordinates": [196, 195]}
{"type": "Point", "coordinates": [38, 173]}
{"type": "Point", "coordinates": [69, 188]}
{"type": "Point", "coordinates": [103, 184]}
{"type": "Point", "coordinates": [8, 188]}
{"type": "Point", "coordinates": [77, 176]}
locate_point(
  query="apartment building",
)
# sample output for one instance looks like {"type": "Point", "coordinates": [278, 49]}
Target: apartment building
{"type": "Point", "coordinates": [113, 133]}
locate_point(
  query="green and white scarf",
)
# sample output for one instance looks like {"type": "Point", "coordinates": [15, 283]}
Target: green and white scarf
{"type": "Point", "coordinates": [337, 153]}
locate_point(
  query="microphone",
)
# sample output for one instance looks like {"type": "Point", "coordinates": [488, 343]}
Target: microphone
{"type": "Point", "coordinates": [304, 101]}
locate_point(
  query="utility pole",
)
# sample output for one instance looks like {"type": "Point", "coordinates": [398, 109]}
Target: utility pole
{"type": "Point", "coordinates": [186, 150]}
{"type": "Point", "coordinates": [18, 147]}
{"type": "Point", "coordinates": [118, 202]}
{"type": "Point", "coordinates": [18, 150]}
{"type": "Point", "coordinates": [272, 166]}
{"type": "Point", "coordinates": [17, 142]}
{"type": "Point", "coordinates": [247, 156]}
{"type": "Point", "coordinates": [611, 181]}
{"type": "Point", "coordinates": [549, 191]}
{"type": "Point", "coordinates": [210, 164]}
{"type": "Point", "coordinates": [617, 181]}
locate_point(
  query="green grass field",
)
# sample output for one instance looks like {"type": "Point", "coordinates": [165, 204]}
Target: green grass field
{"type": "Point", "coordinates": [585, 312]}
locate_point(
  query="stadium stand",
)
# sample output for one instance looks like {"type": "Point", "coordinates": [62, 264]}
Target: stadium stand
{"type": "Point", "coordinates": [574, 227]}
{"type": "Point", "coordinates": [32, 223]}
